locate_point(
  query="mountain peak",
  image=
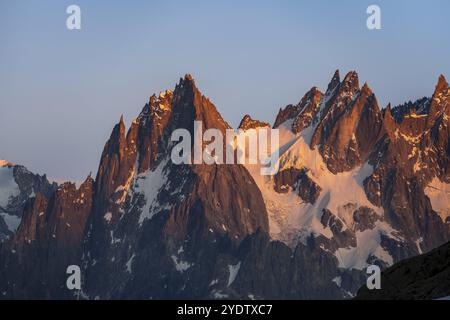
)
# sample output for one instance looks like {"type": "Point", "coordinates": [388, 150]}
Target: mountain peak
{"type": "Point", "coordinates": [4, 163]}
{"type": "Point", "coordinates": [335, 81]}
{"type": "Point", "coordinates": [389, 108]}
{"type": "Point", "coordinates": [190, 105]}
{"type": "Point", "coordinates": [388, 120]}
{"type": "Point", "coordinates": [186, 81]}
{"type": "Point", "coordinates": [442, 85]}
{"type": "Point", "coordinates": [351, 79]}
{"type": "Point", "coordinates": [439, 102]}
{"type": "Point", "coordinates": [336, 74]}
{"type": "Point", "coordinates": [248, 122]}
{"type": "Point", "coordinates": [366, 89]}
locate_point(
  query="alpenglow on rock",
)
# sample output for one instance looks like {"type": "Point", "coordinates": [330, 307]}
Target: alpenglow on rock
{"type": "Point", "coordinates": [357, 185]}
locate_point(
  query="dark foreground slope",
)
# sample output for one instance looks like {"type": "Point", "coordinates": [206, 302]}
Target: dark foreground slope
{"type": "Point", "coordinates": [422, 277]}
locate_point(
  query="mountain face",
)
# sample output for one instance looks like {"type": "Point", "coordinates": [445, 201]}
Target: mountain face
{"type": "Point", "coordinates": [35, 259]}
{"type": "Point", "coordinates": [356, 185]}
{"type": "Point", "coordinates": [17, 185]}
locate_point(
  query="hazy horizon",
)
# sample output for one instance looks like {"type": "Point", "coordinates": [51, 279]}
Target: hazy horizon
{"type": "Point", "coordinates": [63, 91]}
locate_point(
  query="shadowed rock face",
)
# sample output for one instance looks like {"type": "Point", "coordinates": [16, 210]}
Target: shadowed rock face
{"type": "Point", "coordinates": [27, 185]}
{"type": "Point", "coordinates": [194, 213]}
{"type": "Point", "coordinates": [47, 242]}
{"type": "Point", "coordinates": [298, 180]}
{"type": "Point", "coordinates": [147, 228]}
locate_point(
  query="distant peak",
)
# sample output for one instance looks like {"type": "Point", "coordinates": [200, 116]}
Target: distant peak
{"type": "Point", "coordinates": [366, 89]}
{"type": "Point", "coordinates": [442, 84]}
{"type": "Point", "coordinates": [187, 80]}
{"type": "Point", "coordinates": [388, 111]}
{"type": "Point", "coordinates": [350, 82]}
{"type": "Point", "coordinates": [336, 74]}
{"type": "Point", "coordinates": [248, 122]}
{"type": "Point", "coordinates": [4, 163]}
{"type": "Point", "coordinates": [335, 81]}
{"type": "Point", "coordinates": [87, 182]}
{"type": "Point", "coordinates": [351, 76]}
{"type": "Point", "coordinates": [152, 99]}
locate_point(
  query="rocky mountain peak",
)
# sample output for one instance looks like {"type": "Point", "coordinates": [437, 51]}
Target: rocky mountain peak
{"type": "Point", "coordinates": [341, 132]}
{"type": "Point", "coordinates": [388, 120]}
{"type": "Point", "coordinates": [335, 81]}
{"type": "Point", "coordinates": [441, 86]}
{"type": "Point", "coordinates": [4, 163]}
{"type": "Point", "coordinates": [303, 113]}
{"type": "Point", "coordinates": [441, 93]}
{"type": "Point", "coordinates": [350, 82]}
{"type": "Point", "coordinates": [188, 77]}
{"type": "Point", "coordinates": [440, 103]}
{"type": "Point", "coordinates": [366, 89]}
{"type": "Point", "coordinates": [190, 105]}
{"type": "Point", "coordinates": [248, 122]}
{"type": "Point", "coordinates": [284, 114]}
{"type": "Point", "coordinates": [187, 83]}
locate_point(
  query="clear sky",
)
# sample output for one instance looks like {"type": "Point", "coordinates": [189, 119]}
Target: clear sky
{"type": "Point", "coordinates": [62, 91]}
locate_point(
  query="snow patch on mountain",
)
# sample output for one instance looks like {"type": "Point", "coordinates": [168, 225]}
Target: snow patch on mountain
{"type": "Point", "coordinates": [233, 271]}
{"type": "Point", "coordinates": [129, 263]}
{"type": "Point", "coordinates": [179, 264]}
{"type": "Point", "coordinates": [337, 280]}
{"type": "Point", "coordinates": [12, 221]}
{"type": "Point", "coordinates": [367, 245]}
{"type": "Point", "coordinates": [8, 186]}
{"type": "Point", "coordinates": [149, 184]}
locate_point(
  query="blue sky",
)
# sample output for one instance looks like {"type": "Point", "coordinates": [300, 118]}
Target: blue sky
{"type": "Point", "coordinates": [62, 91]}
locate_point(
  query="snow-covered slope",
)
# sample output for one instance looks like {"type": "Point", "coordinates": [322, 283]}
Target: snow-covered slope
{"type": "Point", "coordinates": [327, 188]}
{"type": "Point", "coordinates": [293, 219]}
